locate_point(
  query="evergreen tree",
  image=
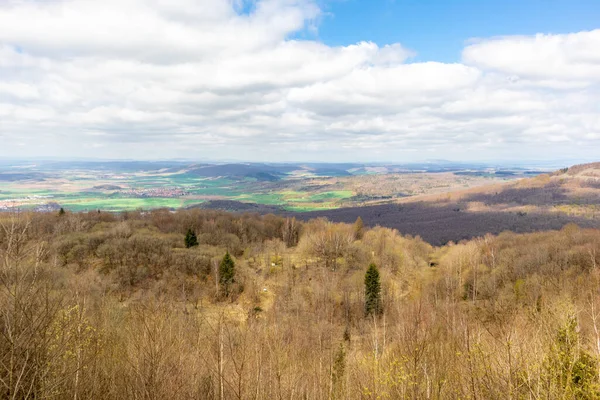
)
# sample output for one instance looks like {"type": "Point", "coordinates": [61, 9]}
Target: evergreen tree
{"type": "Point", "coordinates": [226, 272]}
{"type": "Point", "coordinates": [372, 291]}
{"type": "Point", "coordinates": [359, 228]}
{"type": "Point", "coordinates": [190, 239]}
{"type": "Point", "coordinates": [61, 211]}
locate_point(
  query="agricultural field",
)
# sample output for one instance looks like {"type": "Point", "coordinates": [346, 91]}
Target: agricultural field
{"type": "Point", "coordinates": [124, 186]}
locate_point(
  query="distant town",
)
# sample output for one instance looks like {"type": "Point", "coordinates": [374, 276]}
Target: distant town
{"type": "Point", "coordinates": [42, 201]}
{"type": "Point", "coordinates": [168, 192]}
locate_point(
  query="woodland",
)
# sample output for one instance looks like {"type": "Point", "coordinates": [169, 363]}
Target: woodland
{"type": "Point", "coordinates": [202, 304]}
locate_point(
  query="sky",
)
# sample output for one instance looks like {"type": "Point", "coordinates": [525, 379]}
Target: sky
{"type": "Point", "coordinates": [300, 80]}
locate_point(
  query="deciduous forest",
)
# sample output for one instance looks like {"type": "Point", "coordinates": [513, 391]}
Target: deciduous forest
{"type": "Point", "coordinates": [200, 304]}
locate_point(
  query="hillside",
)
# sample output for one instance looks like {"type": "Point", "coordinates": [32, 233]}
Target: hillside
{"type": "Point", "coordinates": [115, 306]}
{"type": "Point", "coordinates": [544, 202]}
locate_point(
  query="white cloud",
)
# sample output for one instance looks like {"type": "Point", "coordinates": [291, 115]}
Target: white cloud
{"type": "Point", "coordinates": [572, 57]}
{"type": "Point", "coordinates": [186, 78]}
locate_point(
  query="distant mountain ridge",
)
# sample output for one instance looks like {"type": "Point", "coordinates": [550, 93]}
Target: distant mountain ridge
{"type": "Point", "coordinates": [241, 170]}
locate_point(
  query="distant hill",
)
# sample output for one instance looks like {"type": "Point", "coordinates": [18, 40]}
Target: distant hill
{"type": "Point", "coordinates": [269, 172]}
{"type": "Point", "coordinates": [258, 171]}
{"type": "Point", "coordinates": [121, 166]}
{"type": "Point", "coordinates": [22, 176]}
{"type": "Point", "coordinates": [585, 170]}
{"type": "Point", "coordinates": [544, 202]}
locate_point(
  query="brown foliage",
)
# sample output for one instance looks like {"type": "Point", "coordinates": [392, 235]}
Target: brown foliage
{"type": "Point", "coordinates": [112, 307]}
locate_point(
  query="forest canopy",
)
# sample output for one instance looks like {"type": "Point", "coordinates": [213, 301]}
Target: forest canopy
{"type": "Point", "coordinates": [202, 304]}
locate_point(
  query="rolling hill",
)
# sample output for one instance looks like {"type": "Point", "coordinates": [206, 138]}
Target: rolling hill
{"type": "Point", "coordinates": [545, 202]}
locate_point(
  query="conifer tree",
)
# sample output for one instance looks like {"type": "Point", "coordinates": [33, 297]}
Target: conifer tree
{"type": "Point", "coordinates": [190, 239]}
{"type": "Point", "coordinates": [61, 211]}
{"type": "Point", "coordinates": [372, 292]}
{"type": "Point", "coordinates": [226, 272]}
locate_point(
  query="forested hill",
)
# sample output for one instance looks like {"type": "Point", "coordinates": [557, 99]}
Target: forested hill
{"type": "Point", "coordinates": [202, 304]}
{"type": "Point", "coordinates": [544, 202]}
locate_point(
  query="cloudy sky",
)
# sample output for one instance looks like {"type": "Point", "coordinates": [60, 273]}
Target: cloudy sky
{"type": "Point", "coordinates": [293, 80]}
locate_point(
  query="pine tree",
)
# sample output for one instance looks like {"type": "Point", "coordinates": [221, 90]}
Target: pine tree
{"type": "Point", "coordinates": [359, 228]}
{"type": "Point", "coordinates": [372, 292]}
{"type": "Point", "coordinates": [226, 272]}
{"type": "Point", "coordinates": [61, 211]}
{"type": "Point", "coordinates": [190, 239]}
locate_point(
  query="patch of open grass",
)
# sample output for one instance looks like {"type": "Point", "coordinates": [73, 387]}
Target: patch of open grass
{"type": "Point", "coordinates": [333, 195]}
{"type": "Point", "coordinates": [298, 201]}
{"type": "Point", "coordinates": [311, 207]}
{"type": "Point", "coordinates": [120, 204]}
{"type": "Point", "coordinates": [272, 199]}
{"type": "Point", "coordinates": [297, 197]}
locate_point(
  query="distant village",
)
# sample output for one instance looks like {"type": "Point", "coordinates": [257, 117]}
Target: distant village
{"type": "Point", "coordinates": [155, 192]}
{"type": "Point", "coordinates": [42, 204]}
{"type": "Point", "coordinates": [11, 204]}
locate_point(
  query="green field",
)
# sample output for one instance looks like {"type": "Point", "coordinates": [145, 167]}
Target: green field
{"type": "Point", "coordinates": [122, 186]}
{"type": "Point", "coordinates": [298, 201]}
{"type": "Point", "coordinates": [271, 199]}
{"type": "Point", "coordinates": [332, 196]}
{"type": "Point", "coordinates": [90, 204]}
{"type": "Point", "coordinates": [81, 192]}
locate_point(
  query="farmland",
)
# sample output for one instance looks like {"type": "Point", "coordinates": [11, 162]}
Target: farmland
{"type": "Point", "coordinates": [125, 186]}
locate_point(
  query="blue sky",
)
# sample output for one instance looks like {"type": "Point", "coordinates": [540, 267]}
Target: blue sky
{"type": "Point", "coordinates": [438, 29]}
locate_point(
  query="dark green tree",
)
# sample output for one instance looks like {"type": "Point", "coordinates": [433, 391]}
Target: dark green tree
{"type": "Point", "coordinates": [226, 272]}
{"type": "Point", "coordinates": [190, 239]}
{"type": "Point", "coordinates": [61, 211]}
{"type": "Point", "coordinates": [372, 291]}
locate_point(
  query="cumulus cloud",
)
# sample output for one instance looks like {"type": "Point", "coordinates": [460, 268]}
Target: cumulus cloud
{"type": "Point", "coordinates": [230, 79]}
{"type": "Point", "coordinates": [566, 59]}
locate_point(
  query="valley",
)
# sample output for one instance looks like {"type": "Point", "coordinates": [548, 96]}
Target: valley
{"type": "Point", "coordinates": [126, 186]}
{"type": "Point", "coordinates": [439, 202]}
